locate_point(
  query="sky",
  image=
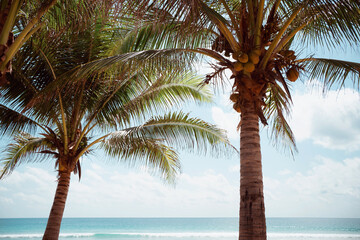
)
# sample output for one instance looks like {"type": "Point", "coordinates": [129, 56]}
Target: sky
{"type": "Point", "coordinates": [321, 180]}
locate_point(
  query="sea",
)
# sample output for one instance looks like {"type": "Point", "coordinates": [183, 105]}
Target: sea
{"type": "Point", "coordinates": [181, 228]}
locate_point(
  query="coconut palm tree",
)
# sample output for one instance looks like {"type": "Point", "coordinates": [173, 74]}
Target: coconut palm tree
{"type": "Point", "coordinates": [260, 42]}
{"type": "Point", "coordinates": [73, 91]}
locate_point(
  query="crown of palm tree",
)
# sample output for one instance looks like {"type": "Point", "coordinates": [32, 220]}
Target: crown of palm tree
{"type": "Point", "coordinates": [81, 89]}
{"type": "Point", "coordinates": [259, 42]}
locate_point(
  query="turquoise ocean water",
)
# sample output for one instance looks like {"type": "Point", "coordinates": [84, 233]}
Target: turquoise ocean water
{"type": "Point", "coordinates": [181, 228]}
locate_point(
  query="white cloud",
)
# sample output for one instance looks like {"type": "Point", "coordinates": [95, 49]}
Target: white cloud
{"type": "Point", "coordinates": [30, 190]}
{"type": "Point", "coordinates": [226, 120]}
{"type": "Point", "coordinates": [105, 192]}
{"type": "Point", "coordinates": [331, 121]}
{"type": "Point", "coordinates": [330, 188]}
{"type": "Point", "coordinates": [285, 172]}
{"type": "Point", "coordinates": [235, 168]}
{"type": "Point", "coordinates": [329, 178]}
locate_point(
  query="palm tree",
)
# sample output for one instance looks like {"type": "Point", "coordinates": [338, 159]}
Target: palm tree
{"type": "Point", "coordinates": [260, 42]}
{"type": "Point", "coordinates": [77, 92]}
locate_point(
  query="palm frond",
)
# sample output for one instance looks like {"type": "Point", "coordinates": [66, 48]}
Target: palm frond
{"type": "Point", "coordinates": [277, 108]}
{"type": "Point", "coordinates": [152, 59]}
{"type": "Point", "coordinates": [333, 22]}
{"type": "Point", "coordinates": [12, 121]}
{"type": "Point", "coordinates": [151, 92]}
{"type": "Point", "coordinates": [144, 152]}
{"type": "Point", "coordinates": [157, 35]}
{"type": "Point", "coordinates": [178, 129]}
{"type": "Point", "coordinates": [333, 72]}
{"type": "Point", "coordinates": [221, 24]}
{"type": "Point", "coordinates": [23, 150]}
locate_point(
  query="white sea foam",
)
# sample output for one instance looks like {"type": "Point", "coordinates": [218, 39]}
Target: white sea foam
{"type": "Point", "coordinates": [21, 235]}
{"type": "Point", "coordinates": [235, 234]}
{"type": "Point", "coordinates": [232, 235]}
{"type": "Point", "coordinates": [184, 234]}
{"type": "Point", "coordinates": [40, 235]}
{"type": "Point", "coordinates": [312, 236]}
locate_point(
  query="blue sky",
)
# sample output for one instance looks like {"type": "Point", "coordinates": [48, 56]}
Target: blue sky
{"type": "Point", "coordinates": [321, 181]}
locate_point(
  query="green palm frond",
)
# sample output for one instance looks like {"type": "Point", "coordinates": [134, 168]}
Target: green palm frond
{"type": "Point", "coordinates": [140, 151]}
{"type": "Point", "coordinates": [152, 59]}
{"type": "Point", "coordinates": [151, 92]}
{"type": "Point", "coordinates": [23, 150]}
{"type": "Point", "coordinates": [333, 72]}
{"type": "Point", "coordinates": [12, 121]}
{"type": "Point", "coordinates": [178, 129]}
{"type": "Point", "coordinates": [156, 35]}
{"type": "Point", "coordinates": [277, 109]}
{"type": "Point", "coordinates": [333, 22]}
{"type": "Point", "coordinates": [150, 141]}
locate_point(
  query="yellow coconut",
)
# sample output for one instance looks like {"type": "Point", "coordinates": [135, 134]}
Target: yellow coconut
{"type": "Point", "coordinates": [249, 67]}
{"type": "Point", "coordinates": [238, 66]}
{"type": "Point", "coordinates": [254, 58]}
{"type": "Point", "coordinates": [292, 74]}
{"type": "Point", "coordinates": [234, 97]}
{"type": "Point", "coordinates": [243, 58]}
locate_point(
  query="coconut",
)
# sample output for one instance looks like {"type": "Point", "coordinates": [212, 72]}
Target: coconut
{"type": "Point", "coordinates": [249, 67]}
{"type": "Point", "coordinates": [243, 58]}
{"type": "Point", "coordinates": [234, 97]}
{"type": "Point", "coordinates": [238, 66]}
{"type": "Point", "coordinates": [254, 58]}
{"type": "Point", "coordinates": [292, 74]}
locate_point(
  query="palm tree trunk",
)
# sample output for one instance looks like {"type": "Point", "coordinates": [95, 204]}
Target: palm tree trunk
{"type": "Point", "coordinates": [252, 225]}
{"type": "Point", "coordinates": [53, 225]}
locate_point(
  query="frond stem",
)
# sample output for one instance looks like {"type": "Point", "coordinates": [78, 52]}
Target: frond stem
{"type": "Point", "coordinates": [286, 39]}
{"type": "Point", "coordinates": [9, 22]}
{"type": "Point", "coordinates": [259, 20]}
{"type": "Point", "coordinates": [277, 38]}
{"type": "Point", "coordinates": [64, 124]}
{"type": "Point", "coordinates": [84, 132]}
{"type": "Point", "coordinates": [233, 20]}
{"type": "Point", "coordinates": [48, 62]}
{"type": "Point", "coordinates": [251, 13]}
{"type": "Point", "coordinates": [88, 147]}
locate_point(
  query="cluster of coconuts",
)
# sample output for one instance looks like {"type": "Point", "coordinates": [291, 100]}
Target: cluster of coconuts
{"type": "Point", "coordinates": [246, 62]}
{"type": "Point", "coordinates": [292, 73]}
{"type": "Point", "coordinates": [235, 97]}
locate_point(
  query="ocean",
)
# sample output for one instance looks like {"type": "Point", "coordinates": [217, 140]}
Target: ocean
{"type": "Point", "coordinates": [181, 228]}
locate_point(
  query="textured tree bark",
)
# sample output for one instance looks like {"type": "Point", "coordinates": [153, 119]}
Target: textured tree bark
{"type": "Point", "coordinates": [252, 224]}
{"type": "Point", "coordinates": [52, 230]}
